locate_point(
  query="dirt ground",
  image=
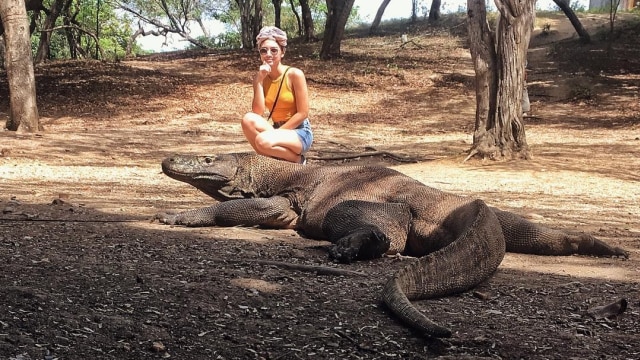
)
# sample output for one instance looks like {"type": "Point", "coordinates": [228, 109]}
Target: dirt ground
{"type": "Point", "coordinates": [85, 275]}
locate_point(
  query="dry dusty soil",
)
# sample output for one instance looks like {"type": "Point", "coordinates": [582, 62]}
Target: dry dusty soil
{"type": "Point", "coordinates": [85, 275]}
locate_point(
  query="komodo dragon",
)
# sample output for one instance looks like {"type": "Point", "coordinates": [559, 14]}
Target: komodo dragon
{"type": "Point", "coordinates": [367, 211]}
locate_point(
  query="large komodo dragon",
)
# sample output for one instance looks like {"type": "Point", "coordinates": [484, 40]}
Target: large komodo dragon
{"type": "Point", "coordinates": [367, 211]}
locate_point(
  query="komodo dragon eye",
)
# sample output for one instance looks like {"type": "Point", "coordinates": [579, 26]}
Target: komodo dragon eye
{"type": "Point", "coordinates": [208, 160]}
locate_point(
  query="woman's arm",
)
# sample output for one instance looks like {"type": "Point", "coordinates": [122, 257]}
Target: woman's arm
{"type": "Point", "coordinates": [257, 105]}
{"type": "Point", "coordinates": [298, 84]}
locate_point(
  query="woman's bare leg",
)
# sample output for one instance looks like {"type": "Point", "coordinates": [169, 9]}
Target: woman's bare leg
{"type": "Point", "coordinates": [279, 143]}
{"type": "Point", "coordinates": [265, 140]}
{"type": "Point", "coordinates": [252, 125]}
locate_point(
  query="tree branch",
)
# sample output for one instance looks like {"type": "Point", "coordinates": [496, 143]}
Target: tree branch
{"type": "Point", "coordinates": [175, 29]}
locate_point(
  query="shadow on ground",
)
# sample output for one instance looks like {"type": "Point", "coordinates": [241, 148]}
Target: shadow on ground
{"type": "Point", "coordinates": [77, 281]}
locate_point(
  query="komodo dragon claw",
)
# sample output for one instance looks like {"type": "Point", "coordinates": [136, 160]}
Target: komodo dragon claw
{"type": "Point", "coordinates": [165, 218]}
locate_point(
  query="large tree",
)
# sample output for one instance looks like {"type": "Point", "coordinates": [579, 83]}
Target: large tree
{"type": "Point", "coordinates": [499, 59]}
{"type": "Point", "coordinates": [338, 12]}
{"type": "Point", "coordinates": [23, 112]}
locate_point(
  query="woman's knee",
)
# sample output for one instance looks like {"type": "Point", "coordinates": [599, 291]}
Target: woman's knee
{"type": "Point", "coordinates": [263, 142]}
{"type": "Point", "coordinates": [250, 120]}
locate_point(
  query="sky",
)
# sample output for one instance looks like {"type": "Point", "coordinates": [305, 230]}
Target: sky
{"type": "Point", "coordinates": [402, 8]}
{"type": "Point", "coordinates": [367, 9]}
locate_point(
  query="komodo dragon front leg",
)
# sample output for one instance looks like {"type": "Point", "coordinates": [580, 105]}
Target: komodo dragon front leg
{"type": "Point", "coordinates": [273, 212]}
{"type": "Point", "coordinates": [363, 230]}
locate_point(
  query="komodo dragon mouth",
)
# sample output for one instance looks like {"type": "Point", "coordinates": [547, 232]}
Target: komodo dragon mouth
{"type": "Point", "coordinates": [365, 211]}
{"type": "Point", "coordinates": [189, 178]}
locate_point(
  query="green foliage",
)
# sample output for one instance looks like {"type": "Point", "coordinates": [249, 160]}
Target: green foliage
{"type": "Point", "coordinates": [113, 39]}
{"type": "Point", "coordinates": [288, 21]}
{"type": "Point", "coordinates": [578, 7]}
{"type": "Point", "coordinates": [113, 30]}
{"type": "Point", "coordinates": [226, 40]}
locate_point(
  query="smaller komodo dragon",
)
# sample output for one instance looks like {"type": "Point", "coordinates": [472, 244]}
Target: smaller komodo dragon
{"type": "Point", "coordinates": [367, 211]}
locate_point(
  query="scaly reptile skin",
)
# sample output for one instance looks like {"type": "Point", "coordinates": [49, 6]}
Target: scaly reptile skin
{"type": "Point", "coordinates": [368, 211]}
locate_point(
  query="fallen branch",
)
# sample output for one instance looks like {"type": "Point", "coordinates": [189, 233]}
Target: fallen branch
{"type": "Point", "coordinates": [410, 42]}
{"type": "Point", "coordinates": [320, 270]}
{"type": "Point", "coordinates": [367, 154]}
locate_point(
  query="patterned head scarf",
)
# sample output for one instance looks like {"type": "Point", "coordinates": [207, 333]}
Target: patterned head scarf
{"type": "Point", "coordinates": [272, 33]}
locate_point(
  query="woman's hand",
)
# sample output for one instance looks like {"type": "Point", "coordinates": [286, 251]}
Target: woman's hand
{"type": "Point", "coordinates": [263, 71]}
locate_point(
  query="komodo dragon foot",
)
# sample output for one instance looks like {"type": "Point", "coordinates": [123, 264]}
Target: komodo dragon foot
{"type": "Point", "coordinates": [589, 245]}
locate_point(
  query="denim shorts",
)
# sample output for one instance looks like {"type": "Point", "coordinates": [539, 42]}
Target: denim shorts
{"type": "Point", "coordinates": [304, 133]}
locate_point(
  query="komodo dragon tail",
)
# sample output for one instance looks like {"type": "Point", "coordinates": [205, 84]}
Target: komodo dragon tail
{"type": "Point", "coordinates": [474, 255]}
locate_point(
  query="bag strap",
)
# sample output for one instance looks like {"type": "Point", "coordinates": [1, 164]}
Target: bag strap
{"type": "Point", "coordinates": [278, 93]}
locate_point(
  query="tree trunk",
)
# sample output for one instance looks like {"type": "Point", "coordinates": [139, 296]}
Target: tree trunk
{"type": "Point", "coordinates": [1, 51]}
{"type": "Point", "coordinates": [414, 11]}
{"type": "Point", "coordinates": [484, 59]}
{"type": "Point", "coordinates": [250, 21]}
{"type": "Point", "coordinates": [571, 15]}
{"type": "Point", "coordinates": [338, 14]}
{"type": "Point", "coordinates": [23, 114]}
{"type": "Point", "coordinates": [378, 18]}
{"type": "Point", "coordinates": [31, 5]}
{"type": "Point", "coordinates": [256, 21]}
{"type": "Point", "coordinates": [67, 20]}
{"type": "Point", "coordinates": [45, 36]}
{"type": "Point", "coordinates": [277, 6]}
{"type": "Point", "coordinates": [307, 21]}
{"type": "Point", "coordinates": [298, 20]}
{"type": "Point", "coordinates": [434, 12]}
{"type": "Point", "coordinates": [500, 72]}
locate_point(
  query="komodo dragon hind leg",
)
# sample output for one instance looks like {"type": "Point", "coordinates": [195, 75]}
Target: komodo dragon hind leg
{"type": "Point", "coordinates": [362, 230]}
{"type": "Point", "coordinates": [524, 236]}
{"type": "Point", "coordinates": [471, 258]}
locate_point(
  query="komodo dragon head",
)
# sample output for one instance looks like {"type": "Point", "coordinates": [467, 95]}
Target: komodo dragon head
{"type": "Point", "coordinates": [214, 175]}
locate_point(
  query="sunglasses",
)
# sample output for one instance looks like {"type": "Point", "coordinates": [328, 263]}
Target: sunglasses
{"type": "Point", "coordinates": [273, 50]}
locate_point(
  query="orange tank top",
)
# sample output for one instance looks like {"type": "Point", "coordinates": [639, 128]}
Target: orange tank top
{"type": "Point", "coordinates": [286, 105]}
